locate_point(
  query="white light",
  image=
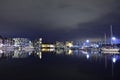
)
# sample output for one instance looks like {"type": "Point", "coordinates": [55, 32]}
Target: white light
{"type": "Point", "coordinates": [113, 38]}
{"type": "Point", "coordinates": [40, 55]}
{"type": "Point", "coordinates": [87, 56]}
{"type": "Point", "coordinates": [87, 41]}
{"type": "Point", "coordinates": [1, 45]}
{"type": "Point", "coordinates": [52, 46]}
{"type": "Point", "coordinates": [69, 44]}
{"type": "Point", "coordinates": [1, 51]}
{"type": "Point", "coordinates": [29, 53]}
{"type": "Point", "coordinates": [114, 59]}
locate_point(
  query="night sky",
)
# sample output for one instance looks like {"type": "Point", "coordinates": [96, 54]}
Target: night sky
{"type": "Point", "coordinates": [59, 19]}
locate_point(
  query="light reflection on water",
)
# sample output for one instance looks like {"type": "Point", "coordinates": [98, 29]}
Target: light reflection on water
{"type": "Point", "coordinates": [88, 55]}
{"type": "Point", "coordinates": [114, 57]}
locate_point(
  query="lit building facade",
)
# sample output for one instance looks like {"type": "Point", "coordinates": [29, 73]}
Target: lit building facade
{"type": "Point", "coordinates": [21, 42]}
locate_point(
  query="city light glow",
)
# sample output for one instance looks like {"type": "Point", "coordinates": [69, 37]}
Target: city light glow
{"type": "Point", "coordinates": [87, 41]}
{"type": "Point", "coordinates": [70, 52]}
{"type": "Point", "coordinates": [69, 44]}
{"type": "Point", "coordinates": [113, 38]}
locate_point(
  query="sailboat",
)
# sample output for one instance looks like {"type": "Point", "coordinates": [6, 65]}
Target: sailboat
{"type": "Point", "coordinates": [111, 48]}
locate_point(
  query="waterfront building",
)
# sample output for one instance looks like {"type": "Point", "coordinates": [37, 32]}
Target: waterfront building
{"type": "Point", "coordinates": [60, 45]}
{"type": "Point", "coordinates": [1, 42]}
{"type": "Point", "coordinates": [37, 43]}
{"type": "Point", "coordinates": [8, 41]}
{"type": "Point", "coordinates": [21, 42]}
{"type": "Point", "coordinates": [69, 44]}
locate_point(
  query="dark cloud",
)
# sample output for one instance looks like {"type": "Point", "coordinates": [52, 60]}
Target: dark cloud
{"type": "Point", "coordinates": [57, 17]}
{"type": "Point", "coordinates": [56, 13]}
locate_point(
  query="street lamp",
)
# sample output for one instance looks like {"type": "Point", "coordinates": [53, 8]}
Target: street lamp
{"type": "Point", "coordinates": [113, 38]}
{"type": "Point", "coordinates": [87, 41]}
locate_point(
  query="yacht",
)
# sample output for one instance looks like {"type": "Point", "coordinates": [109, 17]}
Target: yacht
{"type": "Point", "coordinates": [111, 48]}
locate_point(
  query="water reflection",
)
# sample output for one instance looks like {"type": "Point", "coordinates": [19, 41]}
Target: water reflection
{"type": "Point", "coordinates": [15, 54]}
{"type": "Point", "coordinates": [39, 54]}
{"type": "Point", "coordinates": [91, 55]}
{"type": "Point", "coordinates": [87, 56]}
{"type": "Point", "coordinates": [114, 57]}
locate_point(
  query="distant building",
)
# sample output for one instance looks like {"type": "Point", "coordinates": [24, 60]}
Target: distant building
{"type": "Point", "coordinates": [69, 44]}
{"type": "Point", "coordinates": [37, 43]}
{"type": "Point", "coordinates": [59, 45]}
{"type": "Point", "coordinates": [21, 42]}
{"type": "Point", "coordinates": [1, 41]}
{"type": "Point", "coordinates": [8, 42]}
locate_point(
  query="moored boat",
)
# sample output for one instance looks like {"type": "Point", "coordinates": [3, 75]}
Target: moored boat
{"type": "Point", "coordinates": [111, 47]}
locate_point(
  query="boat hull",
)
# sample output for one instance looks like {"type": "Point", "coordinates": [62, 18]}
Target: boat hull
{"type": "Point", "coordinates": [110, 51]}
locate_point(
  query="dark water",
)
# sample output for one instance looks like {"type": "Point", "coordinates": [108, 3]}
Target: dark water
{"type": "Point", "coordinates": [59, 65]}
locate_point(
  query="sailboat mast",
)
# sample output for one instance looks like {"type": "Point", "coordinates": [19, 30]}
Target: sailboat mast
{"type": "Point", "coordinates": [111, 33]}
{"type": "Point", "coordinates": [105, 38]}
